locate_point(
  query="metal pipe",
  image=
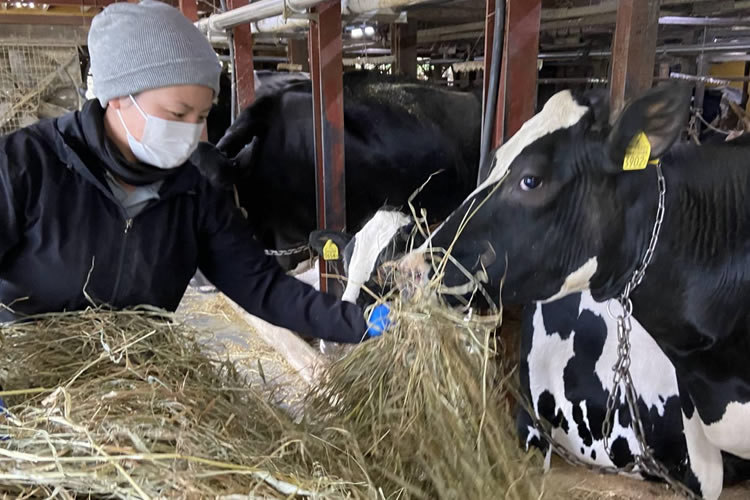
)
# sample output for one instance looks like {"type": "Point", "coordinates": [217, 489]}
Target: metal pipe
{"type": "Point", "coordinates": [564, 79]}
{"type": "Point", "coordinates": [351, 61]}
{"type": "Point", "coordinates": [278, 24]}
{"type": "Point", "coordinates": [663, 50]}
{"type": "Point", "coordinates": [255, 11]}
{"type": "Point", "coordinates": [493, 84]}
{"type": "Point", "coordinates": [264, 9]}
{"type": "Point", "coordinates": [672, 76]}
{"type": "Point", "coordinates": [703, 21]}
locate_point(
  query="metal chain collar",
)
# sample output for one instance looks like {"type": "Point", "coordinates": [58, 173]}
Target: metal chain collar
{"type": "Point", "coordinates": [288, 252]}
{"type": "Point", "coordinates": [273, 253]}
{"type": "Point", "coordinates": [645, 459]}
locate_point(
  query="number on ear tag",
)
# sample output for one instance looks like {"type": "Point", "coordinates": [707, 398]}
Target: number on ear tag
{"type": "Point", "coordinates": [330, 251]}
{"type": "Point", "coordinates": [638, 153]}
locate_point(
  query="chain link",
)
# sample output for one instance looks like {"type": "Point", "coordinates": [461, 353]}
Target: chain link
{"type": "Point", "coordinates": [645, 459]}
{"type": "Point", "coordinates": [288, 252]}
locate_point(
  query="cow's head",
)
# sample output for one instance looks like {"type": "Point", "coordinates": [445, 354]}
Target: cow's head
{"type": "Point", "coordinates": [557, 202]}
{"type": "Point", "coordinates": [382, 239]}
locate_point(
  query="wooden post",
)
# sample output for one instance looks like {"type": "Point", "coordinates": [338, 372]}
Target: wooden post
{"type": "Point", "coordinates": [664, 69]}
{"type": "Point", "coordinates": [298, 53]}
{"type": "Point", "coordinates": [326, 68]}
{"type": "Point", "coordinates": [189, 9]}
{"type": "Point", "coordinates": [744, 86]}
{"type": "Point", "coordinates": [633, 51]}
{"type": "Point", "coordinates": [243, 60]}
{"type": "Point", "coordinates": [700, 88]}
{"type": "Point", "coordinates": [404, 47]}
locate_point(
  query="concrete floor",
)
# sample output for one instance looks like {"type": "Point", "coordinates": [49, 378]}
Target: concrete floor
{"type": "Point", "coordinates": [227, 334]}
{"type": "Point", "coordinates": [579, 483]}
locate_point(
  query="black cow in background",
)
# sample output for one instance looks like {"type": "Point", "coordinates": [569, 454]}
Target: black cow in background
{"type": "Point", "coordinates": [220, 117]}
{"type": "Point", "coordinates": [398, 132]}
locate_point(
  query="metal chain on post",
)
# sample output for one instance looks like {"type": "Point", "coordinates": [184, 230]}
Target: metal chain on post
{"type": "Point", "coordinates": [645, 460]}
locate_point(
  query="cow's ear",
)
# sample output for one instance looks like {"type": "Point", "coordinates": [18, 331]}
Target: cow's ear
{"type": "Point", "coordinates": [319, 239]}
{"type": "Point", "coordinates": [658, 117]}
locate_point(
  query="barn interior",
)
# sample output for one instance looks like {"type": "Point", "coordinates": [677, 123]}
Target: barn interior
{"type": "Point", "coordinates": [624, 46]}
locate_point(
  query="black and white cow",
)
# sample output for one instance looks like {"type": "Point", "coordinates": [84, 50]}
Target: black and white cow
{"type": "Point", "coordinates": [567, 350]}
{"type": "Point", "coordinates": [220, 118]}
{"type": "Point", "coordinates": [397, 134]}
{"type": "Point", "coordinates": [559, 209]}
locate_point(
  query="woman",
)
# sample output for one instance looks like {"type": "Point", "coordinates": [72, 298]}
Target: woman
{"type": "Point", "coordinates": [103, 205]}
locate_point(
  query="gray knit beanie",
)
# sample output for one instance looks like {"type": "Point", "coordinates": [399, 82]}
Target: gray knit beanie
{"type": "Point", "coordinates": [148, 45]}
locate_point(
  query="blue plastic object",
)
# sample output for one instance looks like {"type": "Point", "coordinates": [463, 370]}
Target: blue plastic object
{"type": "Point", "coordinates": [3, 410]}
{"type": "Point", "coordinates": [379, 320]}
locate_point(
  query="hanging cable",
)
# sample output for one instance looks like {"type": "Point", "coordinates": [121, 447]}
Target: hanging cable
{"type": "Point", "coordinates": [492, 87]}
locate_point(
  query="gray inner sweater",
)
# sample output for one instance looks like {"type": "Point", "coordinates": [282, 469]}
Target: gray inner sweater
{"type": "Point", "coordinates": [136, 200]}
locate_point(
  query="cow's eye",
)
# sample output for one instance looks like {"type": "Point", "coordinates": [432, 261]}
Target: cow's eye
{"type": "Point", "coordinates": [530, 182]}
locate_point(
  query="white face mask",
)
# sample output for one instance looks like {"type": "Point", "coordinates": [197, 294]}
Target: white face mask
{"type": "Point", "coordinates": [165, 143]}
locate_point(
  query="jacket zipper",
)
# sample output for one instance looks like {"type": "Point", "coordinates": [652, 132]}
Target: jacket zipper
{"type": "Point", "coordinates": [123, 250]}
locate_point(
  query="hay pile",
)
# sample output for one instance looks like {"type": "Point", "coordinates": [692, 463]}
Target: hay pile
{"type": "Point", "coordinates": [126, 404]}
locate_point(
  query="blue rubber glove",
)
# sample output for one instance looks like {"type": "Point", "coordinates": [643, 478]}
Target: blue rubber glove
{"type": "Point", "coordinates": [379, 320]}
{"type": "Point", "coordinates": [3, 409]}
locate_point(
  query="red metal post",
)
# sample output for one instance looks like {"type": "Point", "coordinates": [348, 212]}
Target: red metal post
{"type": "Point", "coordinates": [326, 67]}
{"type": "Point", "coordinates": [518, 78]}
{"type": "Point", "coordinates": [517, 86]}
{"type": "Point", "coordinates": [243, 60]}
{"type": "Point", "coordinates": [633, 50]}
{"type": "Point", "coordinates": [189, 9]}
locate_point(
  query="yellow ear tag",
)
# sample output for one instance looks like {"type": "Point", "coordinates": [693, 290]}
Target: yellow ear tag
{"type": "Point", "coordinates": [330, 251]}
{"type": "Point", "coordinates": [638, 153]}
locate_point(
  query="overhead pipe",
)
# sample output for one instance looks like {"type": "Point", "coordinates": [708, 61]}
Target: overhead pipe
{"type": "Point", "coordinates": [253, 12]}
{"type": "Point", "coordinates": [271, 12]}
{"type": "Point", "coordinates": [663, 50]}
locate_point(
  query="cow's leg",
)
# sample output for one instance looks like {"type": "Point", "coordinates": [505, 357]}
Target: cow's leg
{"type": "Point", "coordinates": [706, 466]}
{"type": "Point", "coordinates": [528, 435]}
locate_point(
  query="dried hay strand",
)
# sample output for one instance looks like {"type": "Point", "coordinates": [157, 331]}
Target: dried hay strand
{"type": "Point", "coordinates": [126, 404]}
{"type": "Point", "coordinates": [426, 413]}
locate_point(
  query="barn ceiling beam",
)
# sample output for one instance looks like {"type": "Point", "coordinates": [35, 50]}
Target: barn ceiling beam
{"type": "Point", "coordinates": [609, 19]}
{"type": "Point", "coordinates": [61, 35]}
{"type": "Point", "coordinates": [46, 18]}
{"type": "Point", "coordinates": [609, 7]}
{"type": "Point", "coordinates": [78, 3]}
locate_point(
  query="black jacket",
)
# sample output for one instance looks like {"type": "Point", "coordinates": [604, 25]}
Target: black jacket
{"type": "Point", "coordinates": [62, 232]}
